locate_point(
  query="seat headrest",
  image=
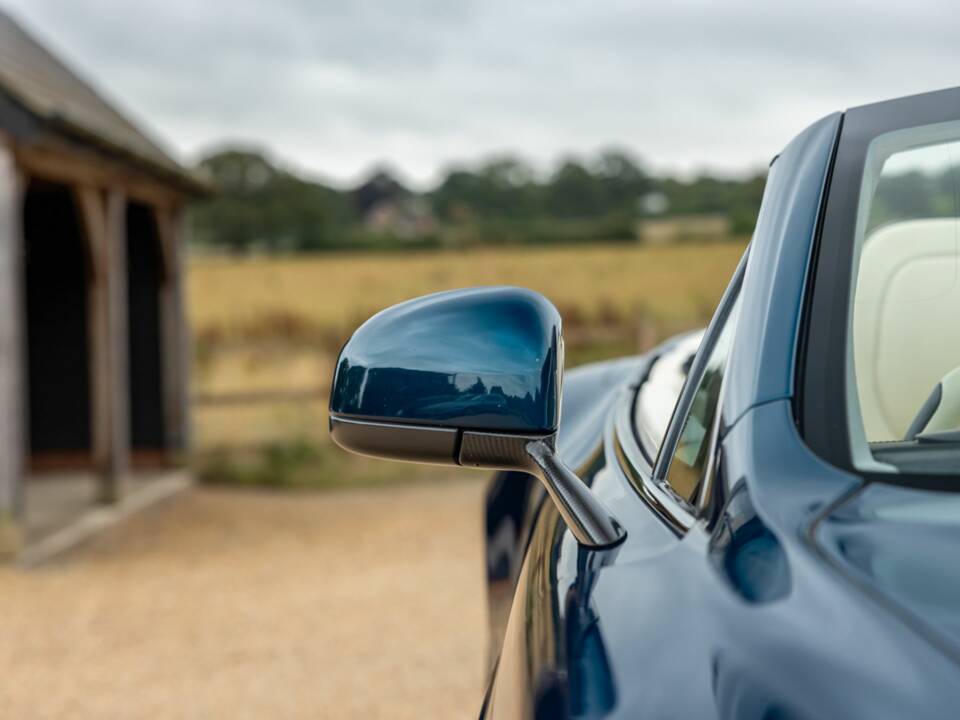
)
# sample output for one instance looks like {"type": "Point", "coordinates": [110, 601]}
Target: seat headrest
{"type": "Point", "coordinates": [906, 320]}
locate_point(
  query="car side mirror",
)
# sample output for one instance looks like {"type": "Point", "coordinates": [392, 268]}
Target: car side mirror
{"type": "Point", "coordinates": [471, 378]}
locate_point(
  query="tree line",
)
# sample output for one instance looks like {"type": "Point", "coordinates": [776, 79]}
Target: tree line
{"type": "Point", "coordinates": [260, 206]}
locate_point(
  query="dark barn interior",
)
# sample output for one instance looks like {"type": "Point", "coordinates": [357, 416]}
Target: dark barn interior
{"type": "Point", "coordinates": [58, 368]}
{"type": "Point", "coordinates": [145, 279]}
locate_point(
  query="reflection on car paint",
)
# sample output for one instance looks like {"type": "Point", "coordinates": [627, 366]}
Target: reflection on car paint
{"type": "Point", "coordinates": [509, 361]}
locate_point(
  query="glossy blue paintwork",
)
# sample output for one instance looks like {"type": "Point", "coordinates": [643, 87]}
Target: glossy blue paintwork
{"type": "Point", "coordinates": [514, 498]}
{"type": "Point", "coordinates": [482, 358]}
{"type": "Point", "coordinates": [804, 596]}
{"type": "Point", "coordinates": [762, 362]}
{"type": "Point", "coordinates": [745, 620]}
{"type": "Point", "coordinates": [901, 544]}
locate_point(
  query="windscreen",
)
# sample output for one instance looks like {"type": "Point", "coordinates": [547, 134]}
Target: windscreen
{"type": "Point", "coordinates": [905, 339]}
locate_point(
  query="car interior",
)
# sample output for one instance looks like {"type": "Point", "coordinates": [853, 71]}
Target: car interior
{"type": "Point", "coordinates": [905, 313]}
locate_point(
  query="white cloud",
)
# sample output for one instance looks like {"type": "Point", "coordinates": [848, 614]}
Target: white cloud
{"type": "Point", "coordinates": [336, 87]}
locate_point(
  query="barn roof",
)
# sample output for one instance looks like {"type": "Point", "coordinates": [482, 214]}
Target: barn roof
{"type": "Point", "coordinates": [49, 90]}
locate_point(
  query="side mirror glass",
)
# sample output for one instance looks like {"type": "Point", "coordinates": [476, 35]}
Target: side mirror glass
{"type": "Point", "coordinates": [467, 377]}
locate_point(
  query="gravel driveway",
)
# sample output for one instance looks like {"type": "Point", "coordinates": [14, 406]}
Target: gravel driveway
{"type": "Point", "coordinates": [233, 604]}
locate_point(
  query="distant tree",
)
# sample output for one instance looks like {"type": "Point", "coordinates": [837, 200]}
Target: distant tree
{"type": "Point", "coordinates": [621, 180]}
{"type": "Point", "coordinates": [258, 206]}
{"type": "Point", "coordinates": [507, 172]}
{"type": "Point", "coordinates": [503, 187]}
{"type": "Point", "coordinates": [262, 206]}
{"type": "Point", "coordinates": [914, 195]}
{"type": "Point", "coordinates": [573, 192]}
{"type": "Point", "coordinates": [239, 172]}
{"type": "Point", "coordinates": [739, 200]}
{"type": "Point", "coordinates": [478, 388]}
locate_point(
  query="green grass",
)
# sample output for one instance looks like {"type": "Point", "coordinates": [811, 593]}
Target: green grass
{"type": "Point", "coordinates": [302, 464]}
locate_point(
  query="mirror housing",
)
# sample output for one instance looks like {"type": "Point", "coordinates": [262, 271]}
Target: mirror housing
{"type": "Point", "coordinates": [467, 377]}
{"type": "Point", "coordinates": [485, 360]}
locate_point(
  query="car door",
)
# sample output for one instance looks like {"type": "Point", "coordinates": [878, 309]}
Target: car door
{"type": "Point", "coordinates": [562, 653]}
{"type": "Point", "coordinates": [724, 606]}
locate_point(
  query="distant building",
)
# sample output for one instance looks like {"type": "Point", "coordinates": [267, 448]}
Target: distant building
{"type": "Point", "coordinates": [405, 219]}
{"type": "Point", "coordinates": [679, 228]}
{"type": "Point", "coordinates": [380, 188]}
{"type": "Point", "coordinates": [387, 208]}
{"type": "Point", "coordinates": [93, 344]}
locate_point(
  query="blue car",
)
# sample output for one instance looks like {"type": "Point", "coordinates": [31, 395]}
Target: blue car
{"type": "Point", "coordinates": [757, 521]}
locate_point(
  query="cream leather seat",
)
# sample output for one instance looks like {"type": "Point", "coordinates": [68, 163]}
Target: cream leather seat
{"type": "Point", "coordinates": [906, 331]}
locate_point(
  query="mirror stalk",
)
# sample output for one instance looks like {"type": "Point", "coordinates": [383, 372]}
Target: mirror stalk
{"type": "Point", "coordinates": [592, 524]}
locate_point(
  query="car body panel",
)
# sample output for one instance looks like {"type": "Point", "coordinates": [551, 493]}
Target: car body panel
{"type": "Point", "coordinates": [901, 543]}
{"type": "Point", "coordinates": [761, 365]}
{"type": "Point", "coordinates": [742, 615]}
{"type": "Point", "coordinates": [513, 499]}
{"type": "Point", "coordinates": [745, 621]}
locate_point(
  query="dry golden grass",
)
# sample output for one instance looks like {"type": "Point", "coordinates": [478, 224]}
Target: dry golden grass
{"type": "Point", "coordinates": [255, 366]}
{"type": "Point", "coordinates": [677, 284]}
{"type": "Point", "coordinates": [267, 324]}
{"type": "Point", "coordinates": [251, 424]}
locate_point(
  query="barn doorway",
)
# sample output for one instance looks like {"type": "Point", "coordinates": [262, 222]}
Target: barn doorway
{"type": "Point", "coordinates": [146, 276]}
{"type": "Point", "coordinates": [58, 357]}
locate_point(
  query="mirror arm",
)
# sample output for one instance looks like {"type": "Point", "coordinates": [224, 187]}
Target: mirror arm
{"type": "Point", "coordinates": [591, 523]}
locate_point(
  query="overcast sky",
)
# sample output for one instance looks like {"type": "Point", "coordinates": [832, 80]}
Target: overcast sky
{"type": "Point", "coordinates": [335, 87]}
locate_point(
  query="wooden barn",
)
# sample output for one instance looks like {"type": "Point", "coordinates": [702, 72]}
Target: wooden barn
{"type": "Point", "coordinates": [93, 342]}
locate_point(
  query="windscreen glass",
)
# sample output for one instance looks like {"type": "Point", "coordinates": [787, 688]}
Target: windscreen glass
{"type": "Point", "coordinates": [904, 351]}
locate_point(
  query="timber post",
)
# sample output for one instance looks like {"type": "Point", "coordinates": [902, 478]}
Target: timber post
{"type": "Point", "coordinates": [12, 365]}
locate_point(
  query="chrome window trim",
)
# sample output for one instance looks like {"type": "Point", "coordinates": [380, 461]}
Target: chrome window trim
{"type": "Point", "coordinates": [676, 512]}
{"type": "Point", "coordinates": [649, 479]}
{"type": "Point", "coordinates": [644, 439]}
{"type": "Point", "coordinates": [682, 410]}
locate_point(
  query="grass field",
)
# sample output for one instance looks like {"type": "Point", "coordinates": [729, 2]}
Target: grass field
{"type": "Point", "coordinates": [315, 295]}
{"type": "Point", "coordinates": [266, 330]}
